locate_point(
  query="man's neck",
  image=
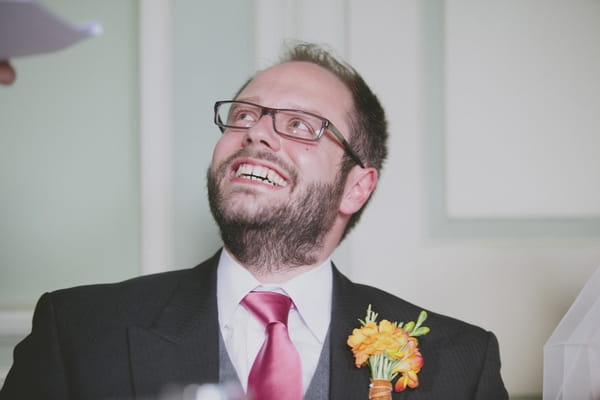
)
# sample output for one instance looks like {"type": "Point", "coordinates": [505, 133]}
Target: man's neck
{"type": "Point", "coordinates": [279, 273]}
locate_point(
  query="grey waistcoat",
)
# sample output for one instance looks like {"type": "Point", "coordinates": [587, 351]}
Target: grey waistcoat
{"type": "Point", "coordinates": [317, 390]}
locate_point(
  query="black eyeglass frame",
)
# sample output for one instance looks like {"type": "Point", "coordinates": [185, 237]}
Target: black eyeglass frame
{"type": "Point", "coordinates": [326, 124]}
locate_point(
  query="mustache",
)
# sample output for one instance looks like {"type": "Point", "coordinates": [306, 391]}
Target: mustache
{"type": "Point", "coordinates": [260, 155]}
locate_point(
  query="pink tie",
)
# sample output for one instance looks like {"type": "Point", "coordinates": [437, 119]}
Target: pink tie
{"type": "Point", "coordinates": [276, 372]}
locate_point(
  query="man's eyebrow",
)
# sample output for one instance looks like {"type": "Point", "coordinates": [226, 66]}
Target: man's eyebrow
{"type": "Point", "coordinates": [252, 99]}
{"type": "Point", "coordinates": [288, 106]}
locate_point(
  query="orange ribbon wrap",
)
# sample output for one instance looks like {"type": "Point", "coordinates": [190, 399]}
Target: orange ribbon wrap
{"type": "Point", "coordinates": [380, 389]}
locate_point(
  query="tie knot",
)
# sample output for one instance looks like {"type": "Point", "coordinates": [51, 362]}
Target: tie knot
{"type": "Point", "coordinates": [268, 307]}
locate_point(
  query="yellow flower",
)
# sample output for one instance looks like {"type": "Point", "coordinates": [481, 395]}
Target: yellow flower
{"type": "Point", "coordinates": [410, 364]}
{"type": "Point", "coordinates": [389, 349]}
{"type": "Point", "coordinates": [362, 342]}
{"type": "Point", "coordinates": [408, 379]}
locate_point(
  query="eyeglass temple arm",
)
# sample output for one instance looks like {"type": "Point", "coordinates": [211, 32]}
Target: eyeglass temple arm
{"type": "Point", "coordinates": [346, 145]}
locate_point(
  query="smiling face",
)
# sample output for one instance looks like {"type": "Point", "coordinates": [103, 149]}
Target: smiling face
{"type": "Point", "coordinates": [264, 167]}
{"type": "Point", "coordinates": [264, 182]}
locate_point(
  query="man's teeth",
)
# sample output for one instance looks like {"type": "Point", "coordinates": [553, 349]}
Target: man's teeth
{"type": "Point", "coordinates": [260, 173]}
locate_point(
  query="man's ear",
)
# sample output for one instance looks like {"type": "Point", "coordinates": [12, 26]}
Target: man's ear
{"type": "Point", "coordinates": [359, 185]}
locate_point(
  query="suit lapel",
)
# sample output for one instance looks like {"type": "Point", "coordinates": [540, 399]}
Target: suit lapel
{"type": "Point", "coordinates": [346, 381]}
{"type": "Point", "coordinates": [349, 303]}
{"type": "Point", "coordinates": [182, 345]}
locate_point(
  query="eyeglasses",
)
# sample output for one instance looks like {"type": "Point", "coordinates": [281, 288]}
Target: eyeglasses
{"type": "Point", "coordinates": [292, 124]}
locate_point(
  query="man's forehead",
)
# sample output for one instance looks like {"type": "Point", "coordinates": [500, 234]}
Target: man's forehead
{"type": "Point", "coordinates": [297, 78]}
{"type": "Point", "coordinates": [299, 71]}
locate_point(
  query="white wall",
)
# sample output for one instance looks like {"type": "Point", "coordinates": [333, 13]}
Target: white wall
{"type": "Point", "coordinates": [496, 98]}
{"type": "Point", "coordinates": [508, 265]}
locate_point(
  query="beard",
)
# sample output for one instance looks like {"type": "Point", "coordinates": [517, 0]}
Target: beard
{"type": "Point", "coordinates": [275, 238]}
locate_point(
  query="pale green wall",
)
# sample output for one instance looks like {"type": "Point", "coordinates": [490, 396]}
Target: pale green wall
{"type": "Point", "coordinates": [212, 58]}
{"type": "Point", "coordinates": [69, 160]}
{"type": "Point", "coordinates": [69, 148]}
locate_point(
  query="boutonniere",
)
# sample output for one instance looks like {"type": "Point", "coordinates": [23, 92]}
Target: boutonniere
{"type": "Point", "coordinates": [391, 351]}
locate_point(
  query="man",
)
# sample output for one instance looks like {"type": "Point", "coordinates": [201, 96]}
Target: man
{"type": "Point", "coordinates": [300, 154]}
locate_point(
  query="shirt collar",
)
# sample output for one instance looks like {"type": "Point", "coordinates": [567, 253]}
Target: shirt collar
{"type": "Point", "coordinates": [310, 292]}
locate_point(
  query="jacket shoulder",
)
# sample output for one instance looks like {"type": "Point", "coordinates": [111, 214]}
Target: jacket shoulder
{"type": "Point", "coordinates": [394, 308]}
{"type": "Point", "coordinates": [460, 357]}
{"type": "Point", "coordinates": [134, 299]}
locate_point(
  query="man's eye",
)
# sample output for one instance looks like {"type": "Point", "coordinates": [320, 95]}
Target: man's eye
{"type": "Point", "coordinates": [300, 126]}
{"type": "Point", "coordinates": [245, 116]}
{"type": "Point", "coordinates": [242, 117]}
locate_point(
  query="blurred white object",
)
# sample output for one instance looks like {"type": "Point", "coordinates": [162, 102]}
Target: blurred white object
{"type": "Point", "coordinates": [27, 27]}
{"type": "Point", "coordinates": [221, 391]}
{"type": "Point", "coordinates": [572, 354]}
{"type": "Point", "coordinates": [205, 392]}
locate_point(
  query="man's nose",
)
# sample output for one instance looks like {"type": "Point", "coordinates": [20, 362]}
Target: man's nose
{"type": "Point", "coordinates": [263, 133]}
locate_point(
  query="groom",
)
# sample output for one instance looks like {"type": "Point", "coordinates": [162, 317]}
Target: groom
{"type": "Point", "coordinates": [301, 148]}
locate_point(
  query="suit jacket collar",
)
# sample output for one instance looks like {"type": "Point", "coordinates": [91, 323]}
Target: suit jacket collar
{"type": "Point", "coordinates": [181, 345]}
{"type": "Point", "coordinates": [350, 302]}
{"type": "Point", "coordinates": [346, 381]}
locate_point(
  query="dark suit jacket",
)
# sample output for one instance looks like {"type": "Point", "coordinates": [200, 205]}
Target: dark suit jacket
{"type": "Point", "coordinates": [131, 339]}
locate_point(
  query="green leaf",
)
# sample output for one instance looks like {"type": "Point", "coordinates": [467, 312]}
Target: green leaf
{"type": "Point", "coordinates": [423, 330]}
{"type": "Point", "coordinates": [422, 318]}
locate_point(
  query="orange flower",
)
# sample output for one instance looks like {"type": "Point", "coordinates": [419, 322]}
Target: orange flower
{"type": "Point", "coordinates": [361, 341]}
{"type": "Point", "coordinates": [409, 366]}
{"type": "Point", "coordinates": [408, 379]}
{"type": "Point", "coordinates": [390, 349]}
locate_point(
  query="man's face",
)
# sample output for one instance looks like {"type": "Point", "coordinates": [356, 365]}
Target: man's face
{"type": "Point", "coordinates": [276, 199]}
{"type": "Point", "coordinates": [289, 166]}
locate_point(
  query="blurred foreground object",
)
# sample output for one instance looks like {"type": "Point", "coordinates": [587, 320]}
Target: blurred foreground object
{"type": "Point", "coordinates": [572, 354]}
{"type": "Point", "coordinates": [27, 28]}
{"type": "Point", "coordinates": [223, 391]}
{"type": "Point", "coordinates": [7, 73]}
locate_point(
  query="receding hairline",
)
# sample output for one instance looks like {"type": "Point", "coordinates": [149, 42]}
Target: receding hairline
{"type": "Point", "coordinates": [348, 101]}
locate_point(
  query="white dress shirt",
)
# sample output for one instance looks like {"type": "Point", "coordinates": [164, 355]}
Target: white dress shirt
{"type": "Point", "coordinates": [307, 324]}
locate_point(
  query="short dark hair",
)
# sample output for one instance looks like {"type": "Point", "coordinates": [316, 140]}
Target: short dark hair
{"type": "Point", "coordinates": [369, 132]}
